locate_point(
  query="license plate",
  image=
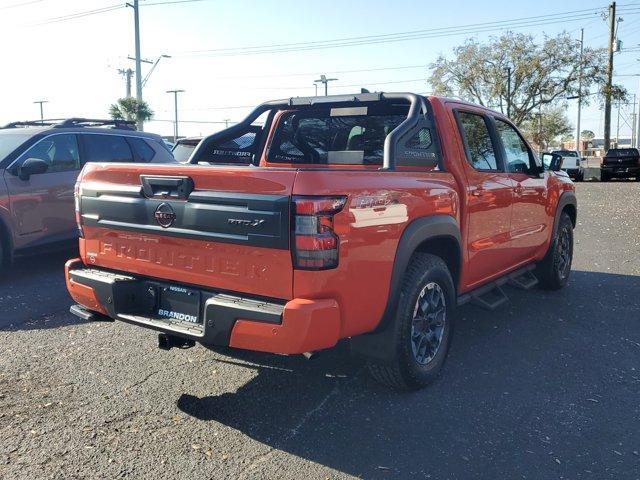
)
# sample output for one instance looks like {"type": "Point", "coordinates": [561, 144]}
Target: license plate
{"type": "Point", "coordinates": [179, 304]}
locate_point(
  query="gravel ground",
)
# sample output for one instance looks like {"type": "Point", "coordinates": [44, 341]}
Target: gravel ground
{"type": "Point", "coordinates": [546, 387]}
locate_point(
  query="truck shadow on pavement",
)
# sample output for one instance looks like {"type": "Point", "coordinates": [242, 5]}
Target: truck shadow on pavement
{"type": "Point", "coordinates": [33, 293]}
{"type": "Point", "coordinates": [529, 389]}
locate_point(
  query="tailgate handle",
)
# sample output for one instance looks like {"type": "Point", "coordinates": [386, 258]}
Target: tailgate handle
{"type": "Point", "coordinates": [166, 187]}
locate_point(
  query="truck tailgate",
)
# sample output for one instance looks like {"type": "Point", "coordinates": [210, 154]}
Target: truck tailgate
{"type": "Point", "coordinates": [225, 228]}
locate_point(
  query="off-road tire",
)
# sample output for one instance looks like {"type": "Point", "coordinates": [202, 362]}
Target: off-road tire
{"type": "Point", "coordinates": [553, 271]}
{"type": "Point", "coordinates": [405, 372]}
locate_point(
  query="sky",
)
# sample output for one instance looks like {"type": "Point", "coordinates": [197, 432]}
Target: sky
{"type": "Point", "coordinates": [68, 52]}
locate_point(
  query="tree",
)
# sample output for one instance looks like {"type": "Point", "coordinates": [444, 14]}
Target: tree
{"type": "Point", "coordinates": [541, 74]}
{"type": "Point", "coordinates": [587, 135]}
{"type": "Point", "coordinates": [130, 109]}
{"type": "Point", "coordinates": [554, 124]}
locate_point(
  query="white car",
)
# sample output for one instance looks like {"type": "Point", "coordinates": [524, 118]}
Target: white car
{"type": "Point", "coordinates": [572, 163]}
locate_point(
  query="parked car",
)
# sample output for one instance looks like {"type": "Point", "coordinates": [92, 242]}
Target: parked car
{"type": "Point", "coordinates": [620, 163]}
{"type": "Point", "coordinates": [572, 163]}
{"type": "Point", "coordinates": [39, 163]}
{"type": "Point", "coordinates": [184, 147]}
{"type": "Point", "coordinates": [366, 217]}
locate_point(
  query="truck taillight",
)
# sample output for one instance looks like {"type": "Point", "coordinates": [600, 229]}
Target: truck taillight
{"type": "Point", "coordinates": [315, 244]}
{"type": "Point", "coordinates": [76, 200]}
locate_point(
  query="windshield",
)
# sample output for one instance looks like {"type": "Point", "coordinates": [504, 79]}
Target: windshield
{"type": "Point", "coordinates": [182, 152]}
{"type": "Point", "coordinates": [10, 141]}
{"type": "Point", "coordinates": [567, 153]}
{"type": "Point", "coordinates": [622, 152]}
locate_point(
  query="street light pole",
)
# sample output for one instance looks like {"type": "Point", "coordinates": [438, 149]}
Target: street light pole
{"type": "Point", "coordinates": [175, 105]}
{"type": "Point", "coordinates": [41, 109]}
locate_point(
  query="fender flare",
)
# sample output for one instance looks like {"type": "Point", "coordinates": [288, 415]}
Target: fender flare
{"type": "Point", "coordinates": [379, 344]}
{"type": "Point", "coordinates": [5, 237]}
{"type": "Point", "coordinates": [566, 198]}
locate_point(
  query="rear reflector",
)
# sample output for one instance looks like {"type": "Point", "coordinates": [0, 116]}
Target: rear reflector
{"type": "Point", "coordinates": [76, 200]}
{"type": "Point", "coordinates": [315, 244]}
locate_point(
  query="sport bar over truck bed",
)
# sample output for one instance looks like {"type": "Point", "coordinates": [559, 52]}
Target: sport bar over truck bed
{"type": "Point", "coordinates": [364, 217]}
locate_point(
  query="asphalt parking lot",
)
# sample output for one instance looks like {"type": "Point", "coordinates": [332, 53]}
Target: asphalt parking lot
{"type": "Point", "coordinates": [546, 387]}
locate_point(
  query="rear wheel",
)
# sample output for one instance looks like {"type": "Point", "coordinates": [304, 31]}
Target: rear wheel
{"type": "Point", "coordinates": [424, 323]}
{"type": "Point", "coordinates": [580, 176]}
{"type": "Point", "coordinates": [604, 176]}
{"type": "Point", "coordinates": [553, 271]}
{"type": "Point", "coordinates": [4, 252]}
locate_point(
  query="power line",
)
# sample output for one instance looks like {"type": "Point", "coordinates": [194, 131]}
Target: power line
{"type": "Point", "coordinates": [307, 74]}
{"type": "Point", "coordinates": [400, 36]}
{"type": "Point", "coordinates": [22, 4]}
{"type": "Point", "coordinates": [170, 2]}
{"type": "Point", "coordinates": [85, 13]}
{"type": "Point", "coordinates": [359, 84]}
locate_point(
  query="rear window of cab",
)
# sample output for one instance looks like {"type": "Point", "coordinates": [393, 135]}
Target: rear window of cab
{"type": "Point", "coordinates": [340, 135]}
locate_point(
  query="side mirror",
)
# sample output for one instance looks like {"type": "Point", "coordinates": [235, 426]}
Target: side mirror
{"type": "Point", "coordinates": [32, 166]}
{"type": "Point", "coordinates": [552, 161]}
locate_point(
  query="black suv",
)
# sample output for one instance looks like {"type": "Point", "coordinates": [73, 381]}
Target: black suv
{"type": "Point", "coordinates": [620, 163]}
{"type": "Point", "coordinates": [39, 164]}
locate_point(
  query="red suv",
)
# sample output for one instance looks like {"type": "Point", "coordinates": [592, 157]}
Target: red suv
{"type": "Point", "coordinates": [366, 217]}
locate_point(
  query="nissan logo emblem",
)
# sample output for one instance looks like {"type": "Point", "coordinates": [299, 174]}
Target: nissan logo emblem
{"type": "Point", "coordinates": [165, 216]}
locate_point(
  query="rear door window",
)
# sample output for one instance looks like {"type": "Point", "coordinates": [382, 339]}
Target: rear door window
{"type": "Point", "coordinates": [106, 148]}
{"type": "Point", "coordinates": [144, 153]}
{"type": "Point", "coordinates": [477, 141]}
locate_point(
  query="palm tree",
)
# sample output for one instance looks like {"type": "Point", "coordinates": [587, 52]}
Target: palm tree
{"type": "Point", "coordinates": [130, 109]}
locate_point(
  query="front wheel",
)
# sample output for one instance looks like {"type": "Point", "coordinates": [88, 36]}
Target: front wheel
{"type": "Point", "coordinates": [423, 323]}
{"type": "Point", "coordinates": [554, 269]}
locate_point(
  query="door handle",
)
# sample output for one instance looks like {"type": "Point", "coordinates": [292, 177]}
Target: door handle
{"type": "Point", "coordinates": [518, 190]}
{"type": "Point", "coordinates": [478, 192]}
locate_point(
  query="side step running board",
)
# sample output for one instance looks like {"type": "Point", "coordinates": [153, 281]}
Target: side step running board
{"type": "Point", "coordinates": [491, 295]}
{"type": "Point", "coordinates": [525, 281]}
{"type": "Point", "coordinates": [491, 299]}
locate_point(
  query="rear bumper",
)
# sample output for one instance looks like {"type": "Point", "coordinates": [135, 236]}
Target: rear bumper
{"type": "Point", "coordinates": [297, 326]}
{"type": "Point", "coordinates": [621, 172]}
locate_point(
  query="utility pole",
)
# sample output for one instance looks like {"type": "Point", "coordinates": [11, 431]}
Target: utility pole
{"type": "Point", "coordinates": [175, 106]}
{"type": "Point", "coordinates": [618, 125]}
{"type": "Point", "coordinates": [127, 74]}
{"type": "Point", "coordinates": [633, 123]}
{"type": "Point", "coordinates": [609, 84]}
{"type": "Point", "coordinates": [136, 22]}
{"type": "Point", "coordinates": [323, 79]}
{"type": "Point", "coordinates": [578, 142]}
{"type": "Point", "coordinates": [509, 92]}
{"type": "Point", "coordinates": [638, 121]}
{"type": "Point", "coordinates": [41, 109]}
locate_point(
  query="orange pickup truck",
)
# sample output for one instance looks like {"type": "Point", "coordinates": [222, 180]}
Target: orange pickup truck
{"type": "Point", "coordinates": [366, 217]}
